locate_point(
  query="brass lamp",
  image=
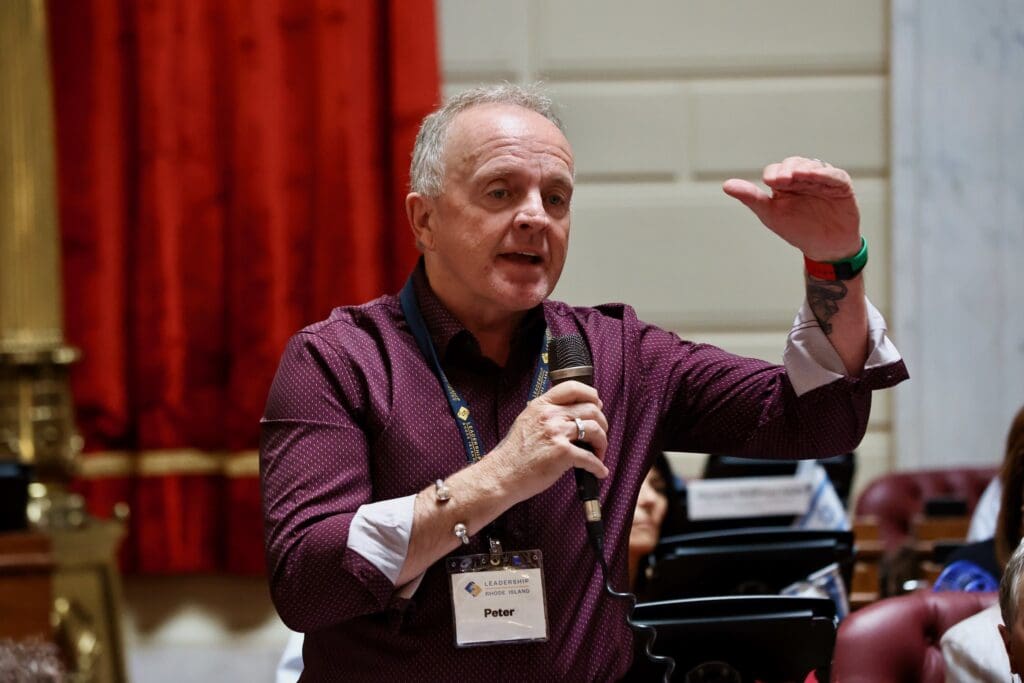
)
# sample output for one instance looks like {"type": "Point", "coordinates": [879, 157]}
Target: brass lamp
{"type": "Point", "coordinates": [37, 427]}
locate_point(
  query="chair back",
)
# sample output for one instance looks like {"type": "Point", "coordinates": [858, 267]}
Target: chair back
{"type": "Point", "coordinates": [765, 638]}
{"type": "Point", "coordinates": [895, 500]}
{"type": "Point", "coordinates": [743, 561]}
{"type": "Point", "coordinates": [897, 639]}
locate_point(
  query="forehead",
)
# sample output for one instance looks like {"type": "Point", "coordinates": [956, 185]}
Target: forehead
{"type": "Point", "coordinates": [491, 134]}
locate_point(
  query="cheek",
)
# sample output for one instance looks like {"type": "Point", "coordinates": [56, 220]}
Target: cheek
{"type": "Point", "coordinates": [659, 510]}
{"type": "Point", "coordinates": [642, 541]}
{"type": "Point", "coordinates": [561, 234]}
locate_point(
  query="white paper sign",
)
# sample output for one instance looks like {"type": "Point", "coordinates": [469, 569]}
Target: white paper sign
{"type": "Point", "coordinates": [498, 606]}
{"type": "Point", "coordinates": [747, 497]}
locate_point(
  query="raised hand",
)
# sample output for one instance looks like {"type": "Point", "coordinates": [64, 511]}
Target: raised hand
{"type": "Point", "coordinates": [811, 206]}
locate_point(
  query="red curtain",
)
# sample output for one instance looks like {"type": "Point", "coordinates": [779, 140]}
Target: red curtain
{"type": "Point", "coordinates": [228, 172]}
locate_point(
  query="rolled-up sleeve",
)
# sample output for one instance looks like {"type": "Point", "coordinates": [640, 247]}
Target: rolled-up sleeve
{"type": "Point", "coordinates": [812, 362]}
{"type": "Point", "coordinates": [380, 532]}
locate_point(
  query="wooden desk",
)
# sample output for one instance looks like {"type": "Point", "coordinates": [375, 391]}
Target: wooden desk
{"type": "Point", "coordinates": [928, 530]}
{"type": "Point", "coordinates": [26, 571]}
{"type": "Point", "coordinates": [866, 579]}
{"type": "Point", "coordinates": [69, 575]}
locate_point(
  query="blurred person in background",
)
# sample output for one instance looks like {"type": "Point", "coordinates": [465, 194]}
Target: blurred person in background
{"type": "Point", "coordinates": [1012, 611]}
{"type": "Point", "coordinates": [651, 506]}
{"type": "Point", "coordinates": [991, 554]}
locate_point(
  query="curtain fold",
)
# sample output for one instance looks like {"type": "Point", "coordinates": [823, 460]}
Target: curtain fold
{"type": "Point", "coordinates": [228, 172]}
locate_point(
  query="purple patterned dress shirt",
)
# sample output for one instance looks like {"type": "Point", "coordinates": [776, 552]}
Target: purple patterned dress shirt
{"type": "Point", "coordinates": [356, 415]}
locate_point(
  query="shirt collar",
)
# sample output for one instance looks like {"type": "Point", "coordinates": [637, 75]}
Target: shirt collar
{"type": "Point", "coordinates": [445, 328]}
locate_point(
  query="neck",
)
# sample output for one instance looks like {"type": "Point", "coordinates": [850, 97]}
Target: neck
{"type": "Point", "coordinates": [494, 334]}
{"type": "Point", "coordinates": [492, 329]}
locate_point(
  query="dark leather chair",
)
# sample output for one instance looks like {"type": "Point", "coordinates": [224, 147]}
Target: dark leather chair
{"type": "Point", "coordinates": [895, 499]}
{"type": "Point", "coordinates": [897, 639]}
{"type": "Point", "coordinates": [758, 637]}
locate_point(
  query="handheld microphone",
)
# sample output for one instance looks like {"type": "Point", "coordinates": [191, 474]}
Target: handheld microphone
{"type": "Point", "coordinates": [569, 359]}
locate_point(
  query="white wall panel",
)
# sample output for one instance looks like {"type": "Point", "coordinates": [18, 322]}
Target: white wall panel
{"type": "Point", "coordinates": [748, 123]}
{"type": "Point", "coordinates": [484, 40]}
{"type": "Point", "coordinates": [626, 131]}
{"type": "Point", "coordinates": [874, 458]}
{"type": "Point", "coordinates": [603, 38]}
{"type": "Point", "coordinates": [690, 257]}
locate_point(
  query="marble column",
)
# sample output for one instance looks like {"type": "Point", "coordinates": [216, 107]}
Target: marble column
{"type": "Point", "coordinates": [957, 227]}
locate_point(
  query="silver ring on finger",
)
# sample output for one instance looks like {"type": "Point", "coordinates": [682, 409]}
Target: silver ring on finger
{"type": "Point", "coordinates": [581, 432]}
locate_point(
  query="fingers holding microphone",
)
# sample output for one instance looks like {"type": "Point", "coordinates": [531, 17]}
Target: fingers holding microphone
{"type": "Point", "coordinates": [591, 437]}
{"type": "Point", "coordinates": [580, 406]}
{"type": "Point", "coordinates": [568, 402]}
{"type": "Point", "coordinates": [543, 442]}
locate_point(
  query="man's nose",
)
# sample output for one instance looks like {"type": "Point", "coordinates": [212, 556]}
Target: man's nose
{"type": "Point", "coordinates": [531, 214]}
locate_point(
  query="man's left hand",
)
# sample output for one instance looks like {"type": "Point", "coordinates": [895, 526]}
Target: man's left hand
{"type": "Point", "coordinates": [811, 206]}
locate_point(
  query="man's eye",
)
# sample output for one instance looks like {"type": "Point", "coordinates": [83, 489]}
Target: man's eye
{"type": "Point", "coordinates": [556, 199]}
{"type": "Point", "coordinates": [499, 193]}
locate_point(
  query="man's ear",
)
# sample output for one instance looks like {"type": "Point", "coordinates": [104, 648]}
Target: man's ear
{"type": "Point", "coordinates": [419, 209]}
{"type": "Point", "coordinates": [1005, 633]}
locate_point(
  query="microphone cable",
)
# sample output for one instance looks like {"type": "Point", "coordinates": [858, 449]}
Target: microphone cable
{"type": "Point", "coordinates": [647, 633]}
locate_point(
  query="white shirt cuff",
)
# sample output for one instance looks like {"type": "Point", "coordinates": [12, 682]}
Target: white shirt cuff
{"type": "Point", "coordinates": [380, 533]}
{"type": "Point", "coordinates": [812, 362]}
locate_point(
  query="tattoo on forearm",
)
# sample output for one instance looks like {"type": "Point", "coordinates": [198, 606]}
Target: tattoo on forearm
{"type": "Point", "coordinates": [824, 297]}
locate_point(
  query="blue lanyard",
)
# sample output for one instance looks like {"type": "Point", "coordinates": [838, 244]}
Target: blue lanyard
{"type": "Point", "coordinates": [459, 407]}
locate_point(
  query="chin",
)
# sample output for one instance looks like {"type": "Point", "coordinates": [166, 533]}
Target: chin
{"type": "Point", "coordinates": [524, 298]}
{"type": "Point", "coordinates": [643, 541]}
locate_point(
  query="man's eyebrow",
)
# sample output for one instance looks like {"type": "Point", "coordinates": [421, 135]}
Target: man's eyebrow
{"type": "Point", "coordinates": [503, 169]}
{"type": "Point", "coordinates": [499, 169]}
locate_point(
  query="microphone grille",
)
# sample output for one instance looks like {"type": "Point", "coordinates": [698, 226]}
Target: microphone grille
{"type": "Point", "coordinates": [569, 351]}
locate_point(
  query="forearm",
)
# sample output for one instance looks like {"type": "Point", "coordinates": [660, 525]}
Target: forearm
{"type": "Point", "coordinates": [478, 496]}
{"type": "Point", "coordinates": [728, 404]}
{"type": "Point", "coordinates": [840, 307]}
{"type": "Point", "coordinates": [536, 451]}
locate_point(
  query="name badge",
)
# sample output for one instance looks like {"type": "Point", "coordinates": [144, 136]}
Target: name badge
{"type": "Point", "coordinates": [498, 599]}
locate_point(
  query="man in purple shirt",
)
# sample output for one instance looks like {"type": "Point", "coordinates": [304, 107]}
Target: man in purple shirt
{"type": "Point", "coordinates": [369, 483]}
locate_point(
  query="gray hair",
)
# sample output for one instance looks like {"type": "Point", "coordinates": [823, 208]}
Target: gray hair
{"type": "Point", "coordinates": [1009, 586]}
{"type": "Point", "coordinates": [426, 173]}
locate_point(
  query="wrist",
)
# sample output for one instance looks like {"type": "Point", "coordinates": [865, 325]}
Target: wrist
{"type": "Point", "coordinates": [839, 269]}
{"type": "Point", "coordinates": [489, 480]}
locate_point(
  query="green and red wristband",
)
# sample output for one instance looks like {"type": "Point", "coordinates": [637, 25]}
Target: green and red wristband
{"type": "Point", "coordinates": [846, 269]}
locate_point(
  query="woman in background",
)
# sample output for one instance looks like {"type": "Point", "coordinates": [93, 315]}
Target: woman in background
{"type": "Point", "coordinates": [1010, 526]}
{"type": "Point", "coordinates": [991, 555]}
{"type": "Point", "coordinates": [651, 506]}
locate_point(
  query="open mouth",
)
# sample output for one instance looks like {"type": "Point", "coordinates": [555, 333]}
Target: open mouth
{"type": "Point", "coordinates": [523, 257]}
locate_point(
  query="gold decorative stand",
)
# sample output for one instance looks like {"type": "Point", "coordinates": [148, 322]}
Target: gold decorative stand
{"type": "Point", "coordinates": [37, 428]}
